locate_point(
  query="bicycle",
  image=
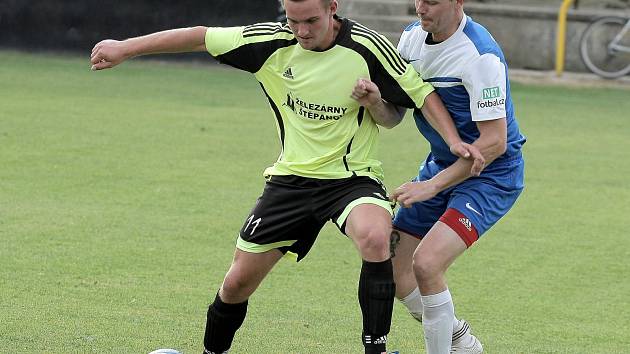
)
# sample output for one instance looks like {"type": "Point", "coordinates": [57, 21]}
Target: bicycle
{"type": "Point", "coordinates": [605, 47]}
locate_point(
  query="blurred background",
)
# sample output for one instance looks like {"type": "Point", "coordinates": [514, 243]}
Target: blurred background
{"type": "Point", "coordinates": [76, 25]}
{"type": "Point", "coordinates": [526, 29]}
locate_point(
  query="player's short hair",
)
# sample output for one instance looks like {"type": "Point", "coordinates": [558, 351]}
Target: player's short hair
{"type": "Point", "coordinates": [326, 3]}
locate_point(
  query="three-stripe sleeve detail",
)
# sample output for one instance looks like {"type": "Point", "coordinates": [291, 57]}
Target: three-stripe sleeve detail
{"type": "Point", "coordinates": [265, 29]}
{"type": "Point", "coordinates": [387, 51]}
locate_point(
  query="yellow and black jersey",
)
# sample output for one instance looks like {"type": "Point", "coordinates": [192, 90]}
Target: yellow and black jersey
{"type": "Point", "coordinates": [324, 132]}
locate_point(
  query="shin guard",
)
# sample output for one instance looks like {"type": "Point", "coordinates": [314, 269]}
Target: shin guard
{"type": "Point", "coordinates": [223, 322]}
{"type": "Point", "coordinates": [376, 297]}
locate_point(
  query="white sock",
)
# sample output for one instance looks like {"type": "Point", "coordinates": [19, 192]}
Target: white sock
{"type": "Point", "coordinates": [413, 303]}
{"type": "Point", "coordinates": [438, 319]}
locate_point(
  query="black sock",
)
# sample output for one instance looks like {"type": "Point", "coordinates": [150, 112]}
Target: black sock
{"type": "Point", "coordinates": [376, 297]}
{"type": "Point", "coordinates": [223, 322]}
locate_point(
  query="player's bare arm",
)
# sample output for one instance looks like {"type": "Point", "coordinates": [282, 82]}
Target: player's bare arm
{"type": "Point", "coordinates": [369, 96]}
{"type": "Point", "coordinates": [109, 53]}
{"type": "Point", "coordinates": [491, 143]}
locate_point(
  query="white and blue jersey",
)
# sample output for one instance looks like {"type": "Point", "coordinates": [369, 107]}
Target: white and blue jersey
{"type": "Point", "coordinates": [469, 73]}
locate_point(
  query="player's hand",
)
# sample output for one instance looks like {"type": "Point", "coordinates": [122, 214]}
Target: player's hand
{"type": "Point", "coordinates": [470, 152]}
{"type": "Point", "coordinates": [412, 192]}
{"type": "Point", "coordinates": [366, 93]}
{"type": "Point", "coordinates": [107, 54]}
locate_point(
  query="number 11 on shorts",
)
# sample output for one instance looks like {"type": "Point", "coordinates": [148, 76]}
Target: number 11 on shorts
{"type": "Point", "coordinates": [254, 223]}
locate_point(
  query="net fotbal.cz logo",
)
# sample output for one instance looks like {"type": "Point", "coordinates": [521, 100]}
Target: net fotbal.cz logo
{"type": "Point", "coordinates": [491, 97]}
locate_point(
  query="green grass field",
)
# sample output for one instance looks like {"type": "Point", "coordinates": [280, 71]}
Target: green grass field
{"type": "Point", "coordinates": [122, 192]}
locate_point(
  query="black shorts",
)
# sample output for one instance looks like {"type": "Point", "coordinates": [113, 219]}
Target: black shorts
{"type": "Point", "coordinates": [292, 210]}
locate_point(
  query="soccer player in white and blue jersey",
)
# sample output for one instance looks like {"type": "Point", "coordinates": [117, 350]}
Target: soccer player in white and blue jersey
{"type": "Point", "coordinates": [446, 207]}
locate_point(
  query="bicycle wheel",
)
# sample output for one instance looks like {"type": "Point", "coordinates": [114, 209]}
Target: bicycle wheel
{"type": "Point", "coordinates": [595, 51]}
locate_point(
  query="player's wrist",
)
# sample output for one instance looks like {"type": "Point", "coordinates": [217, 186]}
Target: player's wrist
{"type": "Point", "coordinates": [129, 49]}
{"type": "Point", "coordinates": [434, 185]}
{"type": "Point", "coordinates": [374, 104]}
{"type": "Point", "coordinates": [453, 141]}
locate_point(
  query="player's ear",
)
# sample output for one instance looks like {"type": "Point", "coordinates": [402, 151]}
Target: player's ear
{"type": "Point", "coordinates": [333, 7]}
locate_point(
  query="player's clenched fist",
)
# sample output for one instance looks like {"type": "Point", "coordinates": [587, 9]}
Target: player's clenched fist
{"type": "Point", "coordinates": [107, 54]}
{"type": "Point", "coordinates": [366, 93]}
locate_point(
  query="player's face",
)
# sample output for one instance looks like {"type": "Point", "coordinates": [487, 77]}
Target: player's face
{"type": "Point", "coordinates": [311, 22]}
{"type": "Point", "coordinates": [439, 16]}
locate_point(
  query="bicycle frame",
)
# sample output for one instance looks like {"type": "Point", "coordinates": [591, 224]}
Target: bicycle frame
{"type": "Point", "coordinates": [614, 46]}
{"type": "Point", "coordinates": [604, 46]}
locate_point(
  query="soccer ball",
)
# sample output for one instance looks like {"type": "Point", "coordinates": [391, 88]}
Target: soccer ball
{"type": "Point", "coordinates": [165, 351]}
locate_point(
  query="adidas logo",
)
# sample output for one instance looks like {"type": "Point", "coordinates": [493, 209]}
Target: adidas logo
{"type": "Point", "coordinates": [288, 73]}
{"type": "Point", "coordinates": [466, 223]}
{"type": "Point", "coordinates": [381, 340]}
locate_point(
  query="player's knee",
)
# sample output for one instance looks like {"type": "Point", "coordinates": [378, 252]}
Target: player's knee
{"type": "Point", "coordinates": [425, 268]}
{"type": "Point", "coordinates": [374, 241]}
{"type": "Point", "coordinates": [236, 289]}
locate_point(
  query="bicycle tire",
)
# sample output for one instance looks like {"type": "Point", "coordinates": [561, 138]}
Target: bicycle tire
{"type": "Point", "coordinates": [594, 48]}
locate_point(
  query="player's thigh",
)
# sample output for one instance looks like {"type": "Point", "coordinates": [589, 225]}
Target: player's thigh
{"type": "Point", "coordinates": [254, 265]}
{"type": "Point", "coordinates": [438, 249]}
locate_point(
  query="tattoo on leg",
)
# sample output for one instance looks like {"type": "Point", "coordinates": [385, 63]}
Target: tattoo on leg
{"type": "Point", "coordinates": [394, 240]}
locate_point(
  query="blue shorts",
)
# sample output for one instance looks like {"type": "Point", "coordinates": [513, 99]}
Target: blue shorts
{"type": "Point", "coordinates": [483, 200]}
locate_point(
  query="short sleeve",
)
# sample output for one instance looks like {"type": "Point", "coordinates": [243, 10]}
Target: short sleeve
{"type": "Point", "coordinates": [220, 40]}
{"type": "Point", "coordinates": [485, 80]}
{"type": "Point", "coordinates": [247, 48]}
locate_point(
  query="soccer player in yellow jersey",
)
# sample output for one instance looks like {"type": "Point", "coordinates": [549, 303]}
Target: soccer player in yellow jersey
{"type": "Point", "coordinates": [328, 167]}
